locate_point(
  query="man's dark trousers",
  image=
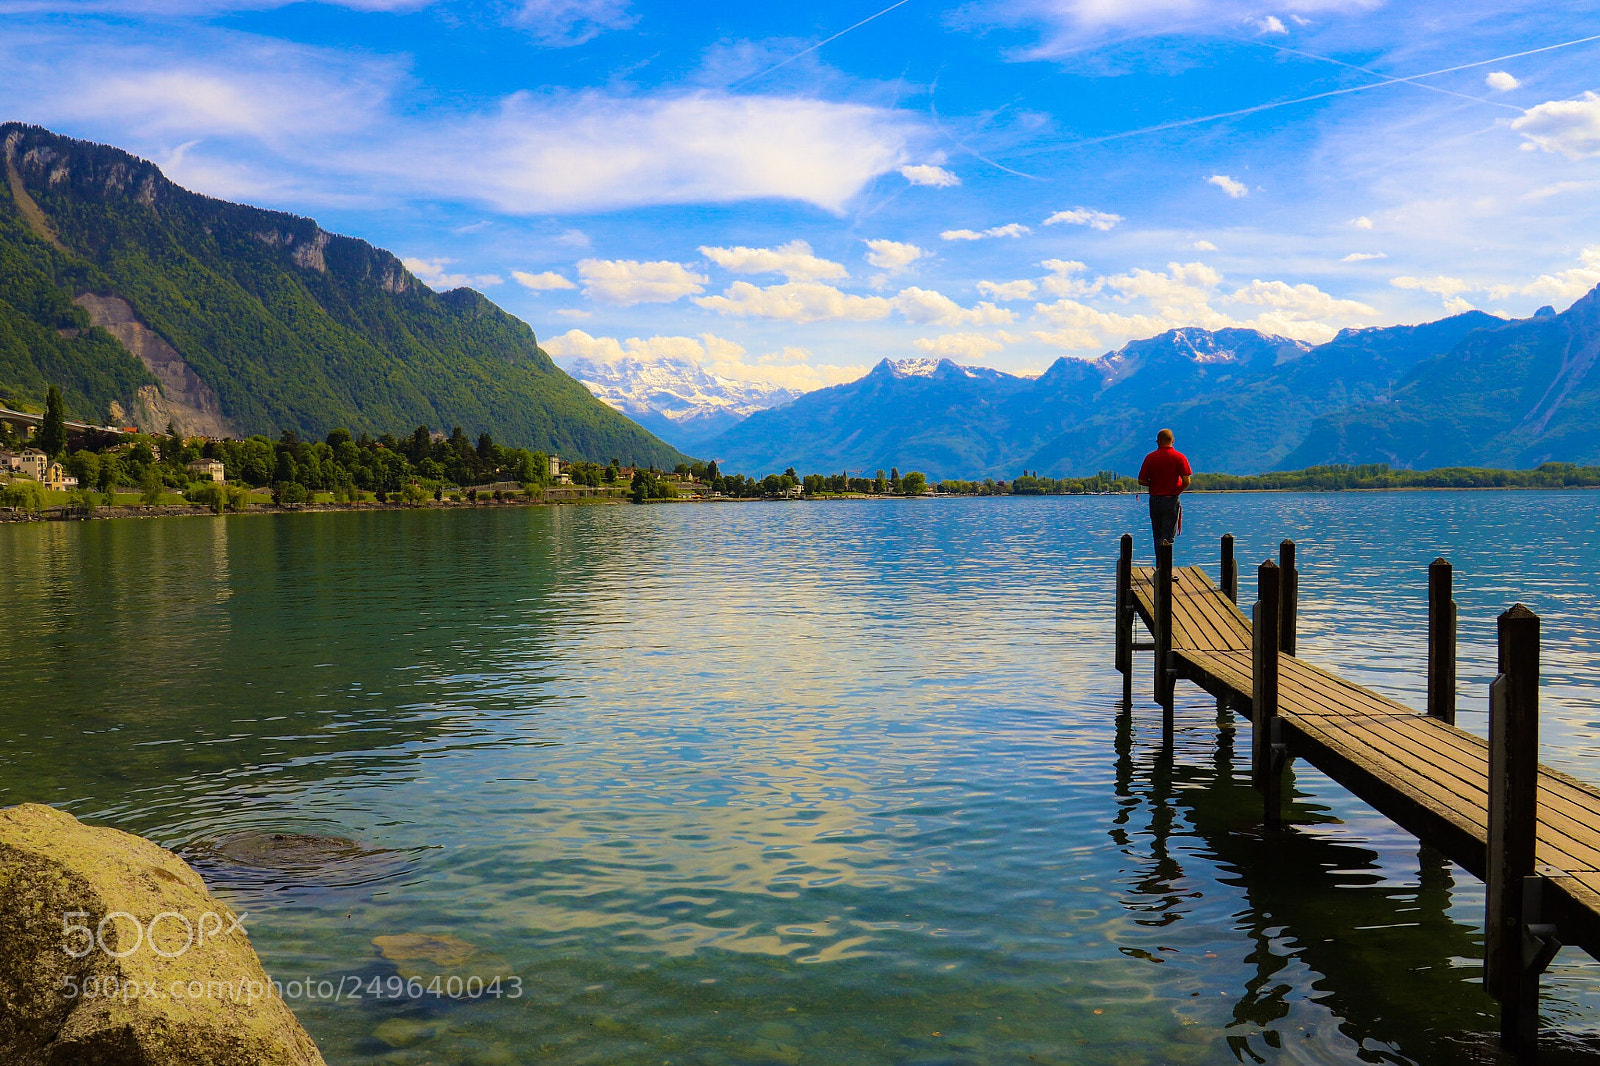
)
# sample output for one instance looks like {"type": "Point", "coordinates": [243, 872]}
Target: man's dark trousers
{"type": "Point", "coordinates": [1164, 511]}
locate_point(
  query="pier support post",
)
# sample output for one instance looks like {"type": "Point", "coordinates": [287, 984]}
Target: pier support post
{"type": "Point", "coordinates": [1517, 945]}
{"type": "Point", "coordinates": [1267, 753]}
{"type": "Point", "coordinates": [1441, 641]}
{"type": "Point", "coordinates": [1163, 634]}
{"type": "Point", "coordinates": [1229, 577]}
{"type": "Point", "coordinates": [1125, 617]}
{"type": "Point", "coordinates": [1289, 602]}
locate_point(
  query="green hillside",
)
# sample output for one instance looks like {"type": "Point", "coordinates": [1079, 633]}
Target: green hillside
{"type": "Point", "coordinates": [287, 326]}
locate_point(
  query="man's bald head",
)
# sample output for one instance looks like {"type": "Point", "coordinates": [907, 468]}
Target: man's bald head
{"type": "Point", "coordinates": [1163, 437]}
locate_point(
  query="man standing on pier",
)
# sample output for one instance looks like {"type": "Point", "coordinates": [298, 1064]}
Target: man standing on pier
{"type": "Point", "coordinates": [1166, 474]}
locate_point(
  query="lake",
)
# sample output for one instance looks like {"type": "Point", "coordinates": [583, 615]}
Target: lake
{"type": "Point", "coordinates": [782, 783]}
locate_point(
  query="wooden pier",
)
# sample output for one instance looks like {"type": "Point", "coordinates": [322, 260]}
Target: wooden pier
{"type": "Point", "coordinates": [1531, 833]}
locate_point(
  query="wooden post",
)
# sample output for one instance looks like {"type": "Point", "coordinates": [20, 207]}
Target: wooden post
{"type": "Point", "coordinates": [1289, 603]}
{"type": "Point", "coordinates": [1265, 765]}
{"type": "Point", "coordinates": [1508, 972]}
{"type": "Point", "coordinates": [1125, 617]}
{"type": "Point", "coordinates": [1441, 642]}
{"type": "Point", "coordinates": [1163, 627]}
{"type": "Point", "coordinates": [1229, 580]}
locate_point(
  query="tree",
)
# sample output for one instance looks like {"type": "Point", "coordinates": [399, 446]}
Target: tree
{"type": "Point", "coordinates": [150, 488]}
{"type": "Point", "coordinates": [914, 483]}
{"type": "Point", "coordinates": [53, 434]}
{"type": "Point", "coordinates": [712, 473]}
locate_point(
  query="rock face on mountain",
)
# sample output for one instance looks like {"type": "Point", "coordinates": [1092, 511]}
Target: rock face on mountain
{"type": "Point", "coordinates": [1238, 400]}
{"type": "Point", "coordinates": [679, 401]}
{"type": "Point", "coordinates": [115, 282]}
{"type": "Point", "coordinates": [112, 952]}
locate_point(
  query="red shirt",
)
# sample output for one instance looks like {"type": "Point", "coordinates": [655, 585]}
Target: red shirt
{"type": "Point", "coordinates": [1165, 468]}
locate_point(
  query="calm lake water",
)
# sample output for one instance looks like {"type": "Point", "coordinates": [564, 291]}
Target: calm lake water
{"type": "Point", "coordinates": [782, 783]}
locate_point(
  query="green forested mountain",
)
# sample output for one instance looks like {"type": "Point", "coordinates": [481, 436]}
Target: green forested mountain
{"type": "Point", "coordinates": [219, 315]}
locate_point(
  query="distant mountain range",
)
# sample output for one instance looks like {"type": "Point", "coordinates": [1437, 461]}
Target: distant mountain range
{"type": "Point", "coordinates": [676, 399]}
{"type": "Point", "coordinates": [1469, 389]}
{"type": "Point", "coordinates": [148, 303]}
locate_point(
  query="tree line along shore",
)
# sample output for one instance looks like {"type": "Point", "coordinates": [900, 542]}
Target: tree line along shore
{"type": "Point", "coordinates": [177, 473]}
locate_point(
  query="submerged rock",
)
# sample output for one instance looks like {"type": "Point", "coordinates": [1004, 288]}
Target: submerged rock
{"type": "Point", "coordinates": [286, 859]}
{"type": "Point", "coordinates": [112, 952]}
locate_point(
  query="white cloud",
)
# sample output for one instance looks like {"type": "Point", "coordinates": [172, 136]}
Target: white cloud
{"type": "Point", "coordinates": [1361, 222]}
{"type": "Point", "coordinates": [1071, 26]}
{"type": "Point", "coordinates": [1501, 82]}
{"type": "Point", "coordinates": [1233, 188]}
{"type": "Point", "coordinates": [1568, 127]}
{"type": "Point", "coordinates": [295, 123]}
{"type": "Point", "coordinates": [541, 282]}
{"type": "Point", "coordinates": [924, 306]}
{"type": "Point", "coordinates": [571, 22]}
{"type": "Point", "coordinates": [1562, 285]}
{"type": "Point", "coordinates": [433, 272]}
{"type": "Point", "coordinates": [1439, 285]}
{"type": "Point", "coordinates": [1204, 246]}
{"type": "Point", "coordinates": [924, 174]}
{"type": "Point", "coordinates": [1008, 291]}
{"type": "Point", "coordinates": [1362, 257]}
{"type": "Point", "coordinates": [787, 367]}
{"type": "Point", "coordinates": [796, 301]}
{"type": "Point", "coordinates": [893, 256]}
{"type": "Point", "coordinates": [794, 261]}
{"type": "Point", "coordinates": [959, 345]}
{"type": "Point", "coordinates": [626, 282]}
{"type": "Point", "coordinates": [1084, 216]}
{"type": "Point", "coordinates": [1301, 301]}
{"type": "Point", "coordinates": [1271, 24]}
{"type": "Point", "coordinates": [1185, 294]}
{"type": "Point", "coordinates": [1010, 229]}
{"type": "Point", "coordinates": [802, 302]}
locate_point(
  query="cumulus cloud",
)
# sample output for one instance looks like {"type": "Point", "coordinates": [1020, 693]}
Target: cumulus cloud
{"type": "Point", "coordinates": [433, 272]}
{"type": "Point", "coordinates": [1567, 127]}
{"type": "Point", "coordinates": [794, 261]}
{"type": "Point", "coordinates": [796, 301]}
{"type": "Point", "coordinates": [802, 302]}
{"type": "Point", "coordinates": [1562, 285]}
{"type": "Point", "coordinates": [541, 282]}
{"type": "Point", "coordinates": [1439, 285]}
{"type": "Point", "coordinates": [1008, 291]}
{"type": "Point", "coordinates": [1361, 222]}
{"type": "Point", "coordinates": [1233, 188]}
{"type": "Point", "coordinates": [1084, 216]}
{"type": "Point", "coordinates": [1501, 82]}
{"type": "Point", "coordinates": [1271, 24]}
{"type": "Point", "coordinates": [1204, 246]}
{"type": "Point", "coordinates": [924, 174]}
{"type": "Point", "coordinates": [787, 367]}
{"type": "Point", "coordinates": [267, 118]}
{"type": "Point", "coordinates": [1362, 257]}
{"type": "Point", "coordinates": [1010, 229]}
{"type": "Point", "coordinates": [959, 345]}
{"type": "Point", "coordinates": [625, 282]}
{"type": "Point", "coordinates": [893, 256]}
{"type": "Point", "coordinates": [1146, 302]}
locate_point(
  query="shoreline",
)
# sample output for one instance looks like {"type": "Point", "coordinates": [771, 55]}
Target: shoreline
{"type": "Point", "coordinates": [128, 511]}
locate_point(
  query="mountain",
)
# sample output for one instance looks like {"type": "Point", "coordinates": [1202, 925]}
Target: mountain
{"type": "Point", "coordinates": [676, 399]}
{"type": "Point", "coordinates": [929, 414]}
{"type": "Point", "coordinates": [1515, 394]}
{"type": "Point", "coordinates": [1238, 400]}
{"type": "Point", "coordinates": [150, 303]}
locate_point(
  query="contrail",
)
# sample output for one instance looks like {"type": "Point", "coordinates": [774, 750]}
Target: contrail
{"type": "Point", "coordinates": [1379, 74]}
{"type": "Point", "coordinates": [819, 44]}
{"type": "Point", "coordinates": [1314, 96]}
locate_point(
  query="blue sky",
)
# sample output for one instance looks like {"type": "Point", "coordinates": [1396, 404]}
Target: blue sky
{"type": "Point", "coordinates": [792, 192]}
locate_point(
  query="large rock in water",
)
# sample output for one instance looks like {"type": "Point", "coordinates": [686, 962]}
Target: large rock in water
{"type": "Point", "coordinates": [187, 989]}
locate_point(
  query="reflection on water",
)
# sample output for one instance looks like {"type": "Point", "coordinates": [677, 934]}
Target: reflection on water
{"type": "Point", "coordinates": [763, 783]}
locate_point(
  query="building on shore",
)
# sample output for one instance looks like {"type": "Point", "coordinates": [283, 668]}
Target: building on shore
{"type": "Point", "coordinates": [206, 469]}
